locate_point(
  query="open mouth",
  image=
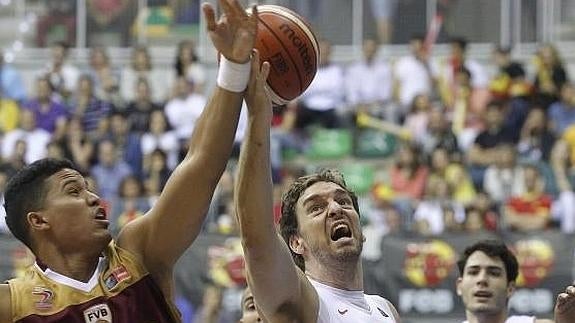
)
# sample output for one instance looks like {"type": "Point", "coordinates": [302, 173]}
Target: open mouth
{"type": "Point", "coordinates": [340, 231]}
{"type": "Point", "coordinates": [101, 214]}
{"type": "Point", "coordinates": [482, 294]}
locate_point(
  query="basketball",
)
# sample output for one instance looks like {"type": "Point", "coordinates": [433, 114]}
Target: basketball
{"type": "Point", "coordinates": [287, 42]}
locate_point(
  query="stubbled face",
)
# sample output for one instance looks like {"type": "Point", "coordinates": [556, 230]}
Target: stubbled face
{"type": "Point", "coordinates": [73, 213]}
{"type": "Point", "coordinates": [329, 228]}
{"type": "Point", "coordinates": [249, 310]}
{"type": "Point", "coordinates": [483, 287]}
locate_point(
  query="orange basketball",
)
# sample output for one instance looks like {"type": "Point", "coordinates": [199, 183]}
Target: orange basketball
{"type": "Point", "coordinates": [287, 42]}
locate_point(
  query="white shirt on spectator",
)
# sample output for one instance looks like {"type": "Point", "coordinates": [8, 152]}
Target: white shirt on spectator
{"type": "Point", "coordinates": [182, 114]}
{"type": "Point", "coordinates": [479, 75]}
{"type": "Point", "coordinates": [368, 83]}
{"type": "Point", "coordinates": [502, 184]}
{"type": "Point", "coordinates": [432, 212]}
{"type": "Point", "coordinates": [413, 78]}
{"type": "Point", "coordinates": [326, 91]}
{"type": "Point", "coordinates": [36, 142]}
{"type": "Point", "coordinates": [69, 74]}
{"type": "Point", "coordinates": [159, 88]}
{"type": "Point", "coordinates": [167, 141]}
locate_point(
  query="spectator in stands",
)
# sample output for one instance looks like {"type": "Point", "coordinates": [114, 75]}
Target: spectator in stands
{"type": "Point", "coordinates": [77, 146]}
{"type": "Point", "coordinates": [535, 140]}
{"type": "Point", "coordinates": [320, 104]}
{"type": "Point", "coordinates": [418, 117]}
{"type": "Point", "coordinates": [438, 134]}
{"type": "Point", "coordinates": [413, 75]}
{"type": "Point", "coordinates": [184, 109]}
{"type": "Point", "coordinates": [58, 13]}
{"type": "Point", "coordinates": [156, 174]}
{"type": "Point", "coordinates": [141, 68]}
{"type": "Point", "coordinates": [105, 77]}
{"type": "Point", "coordinates": [128, 144]}
{"type": "Point", "coordinates": [487, 274]}
{"type": "Point", "coordinates": [488, 210]}
{"type": "Point", "coordinates": [63, 76]}
{"type": "Point", "coordinates": [159, 136]}
{"type": "Point", "coordinates": [368, 84]}
{"type": "Point", "coordinates": [562, 161]}
{"type": "Point", "coordinates": [50, 114]}
{"type": "Point", "coordinates": [458, 61]}
{"type": "Point", "coordinates": [505, 177]}
{"type": "Point", "coordinates": [408, 178]}
{"type": "Point", "coordinates": [510, 79]}
{"type": "Point", "coordinates": [438, 211]}
{"type": "Point", "coordinates": [140, 110]}
{"type": "Point", "coordinates": [87, 107]}
{"type": "Point", "coordinates": [54, 150]}
{"type": "Point", "coordinates": [129, 204]}
{"type": "Point", "coordinates": [34, 139]}
{"type": "Point", "coordinates": [454, 174]}
{"type": "Point", "coordinates": [111, 15]}
{"type": "Point", "coordinates": [562, 113]}
{"type": "Point", "coordinates": [189, 67]}
{"type": "Point", "coordinates": [474, 222]}
{"type": "Point", "coordinates": [109, 170]}
{"type": "Point", "coordinates": [250, 312]}
{"type": "Point", "coordinates": [550, 75]}
{"type": "Point", "coordinates": [465, 103]}
{"type": "Point", "coordinates": [484, 151]}
{"type": "Point", "coordinates": [382, 219]}
{"type": "Point", "coordinates": [11, 83]}
{"type": "Point", "coordinates": [530, 210]}
{"type": "Point", "coordinates": [9, 115]}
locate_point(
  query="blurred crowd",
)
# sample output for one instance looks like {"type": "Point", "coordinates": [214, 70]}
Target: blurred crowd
{"type": "Point", "coordinates": [478, 147]}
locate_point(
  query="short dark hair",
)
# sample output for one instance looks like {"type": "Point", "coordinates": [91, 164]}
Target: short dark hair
{"type": "Point", "coordinates": [26, 191]}
{"type": "Point", "coordinates": [288, 221]}
{"type": "Point", "coordinates": [493, 249]}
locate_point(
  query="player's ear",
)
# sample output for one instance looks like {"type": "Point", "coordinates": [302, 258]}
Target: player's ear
{"type": "Point", "coordinates": [458, 286]}
{"type": "Point", "coordinates": [37, 220]}
{"type": "Point", "coordinates": [510, 289]}
{"type": "Point", "coordinates": [296, 244]}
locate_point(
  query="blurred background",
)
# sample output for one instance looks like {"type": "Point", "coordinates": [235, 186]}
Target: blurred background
{"type": "Point", "coordinates": [453, 120]}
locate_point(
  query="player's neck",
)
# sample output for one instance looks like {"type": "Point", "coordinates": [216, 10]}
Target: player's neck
{"type": "Point", "coordinates": [78, 266]}
{"type": "Point", "coordinates": [487, 318]}
{"type": "Point", "coordinates": [346, 276]}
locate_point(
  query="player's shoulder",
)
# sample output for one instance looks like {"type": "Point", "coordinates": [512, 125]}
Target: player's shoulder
{"type": "Point", "coordinates": [383, 304]}
{"type": "Point", "coordinates": [5, 303]}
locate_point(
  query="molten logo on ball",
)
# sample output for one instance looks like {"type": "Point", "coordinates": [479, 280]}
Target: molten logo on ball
{"type": "Point", "coordinates": [302, 49]}
{"type": "Point", "coordinates": [286, 41]}
{"type": "Point", "coordinates": [427, 264]}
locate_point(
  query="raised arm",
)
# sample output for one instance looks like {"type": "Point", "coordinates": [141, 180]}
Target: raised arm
{"type": "Point", "coordinates": [160, 237]}
{"type": "Point", "coordinates": [267, 257]}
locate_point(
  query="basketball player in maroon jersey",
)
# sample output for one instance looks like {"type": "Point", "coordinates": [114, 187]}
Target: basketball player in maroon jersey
{"type": "Point", "coordinates": [81, 274]}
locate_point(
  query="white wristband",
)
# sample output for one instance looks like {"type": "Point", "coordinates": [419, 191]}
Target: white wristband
{"type": "Point", "coordinates": [232, 76]}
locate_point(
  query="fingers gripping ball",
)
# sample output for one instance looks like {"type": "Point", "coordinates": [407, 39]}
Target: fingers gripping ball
{"type": "Point", "coordinates": [287, 42]}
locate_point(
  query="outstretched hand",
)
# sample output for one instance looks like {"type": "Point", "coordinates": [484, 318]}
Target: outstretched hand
{"type": "Point", "coordinates": [234, 33]}
{"type": "Point", "coordinates": [565, 306]}
{"type": "Point", "coordinates": [257, 96]}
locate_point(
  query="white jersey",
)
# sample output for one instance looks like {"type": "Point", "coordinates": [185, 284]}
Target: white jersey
{"type": "Point", "coordinates": [517, 319]}
{"type": "Point", "coordinates": [342, 306]}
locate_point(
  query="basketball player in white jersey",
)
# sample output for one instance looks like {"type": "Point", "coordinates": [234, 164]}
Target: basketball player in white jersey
{"type": "Point", "coordinates": [321, 229]}
{"type": "Point", "coordinates": [487, 272]}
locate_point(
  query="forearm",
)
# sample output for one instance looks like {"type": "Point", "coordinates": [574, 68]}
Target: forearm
{"type": "Point", "coordinates": [254, 185]}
